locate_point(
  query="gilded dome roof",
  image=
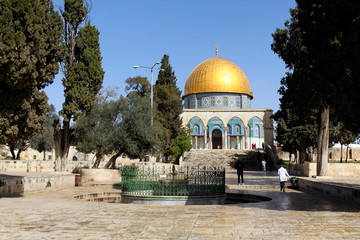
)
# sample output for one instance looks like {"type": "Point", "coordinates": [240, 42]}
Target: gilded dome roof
{"type": "Point", "coordinates": [217, 75]}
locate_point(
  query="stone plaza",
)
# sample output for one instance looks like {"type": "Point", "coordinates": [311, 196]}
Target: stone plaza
{"type": "Point", "coordinates": [296, 214]}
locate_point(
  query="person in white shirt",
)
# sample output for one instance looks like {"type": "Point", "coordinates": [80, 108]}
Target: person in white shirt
{"type": "Point", "coordinates": [283, 176]}
{"type": "Point", "coordinates": [263, 162]}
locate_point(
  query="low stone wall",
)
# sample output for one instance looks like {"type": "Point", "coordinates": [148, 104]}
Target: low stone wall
{"type": "Point", "coordinates": [304, 169]}
{"type": "Point", "coordinates": [17, 185]}
{"type": "Point", "coordinates": [110, 175]}
{"type": "Point", "coordinates": [344, 169]}
{"type": "Point", "coordinates": [334, 169]}
{"type": "Point", "coordinates": [343, 193]}
{"type": "Point", "coordinates": [100, 175]}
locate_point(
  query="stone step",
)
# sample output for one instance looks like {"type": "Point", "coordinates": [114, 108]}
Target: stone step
{"type": "Point", "coordinates": [251, 159]}
{"type": "Point", "coordinates": [98, 196]}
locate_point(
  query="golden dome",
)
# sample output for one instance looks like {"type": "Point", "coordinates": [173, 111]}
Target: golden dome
{"type": "Point", "coordinates": [217, 75]}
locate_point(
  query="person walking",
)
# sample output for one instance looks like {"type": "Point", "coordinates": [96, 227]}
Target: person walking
{"type": "Point", "coordinates": [240, 172]}
{"type": "Point", "coordinates": [263, 162]}
{"type": "Point", "coordinates": [283, 176]}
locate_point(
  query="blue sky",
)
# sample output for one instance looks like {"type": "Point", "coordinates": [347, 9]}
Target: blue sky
{"type": "Point", "coordinates": [140, 32]}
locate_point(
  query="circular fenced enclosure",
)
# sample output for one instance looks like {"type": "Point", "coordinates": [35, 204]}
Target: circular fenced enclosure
{"type": "Point", "coordinates": [170, 186]}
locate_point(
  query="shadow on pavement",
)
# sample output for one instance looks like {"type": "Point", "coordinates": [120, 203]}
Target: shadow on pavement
{"type": "Point", "coordinates": [294, 200]}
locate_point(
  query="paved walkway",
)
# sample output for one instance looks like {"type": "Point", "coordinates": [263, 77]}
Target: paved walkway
{"type": "Point", "coordinates": [290, 215]}
{"type": "Point", "coordinates": [254, 179]}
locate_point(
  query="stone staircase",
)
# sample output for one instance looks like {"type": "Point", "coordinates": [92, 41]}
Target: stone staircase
{"type": "Point", "coordinates": [251, 159]}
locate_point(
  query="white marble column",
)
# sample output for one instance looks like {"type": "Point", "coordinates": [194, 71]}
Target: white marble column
{"type": "Point", "coordinates": [245, 135]}
{"type": "Point", "coordinates": [196, 142]}
{"type": "Point", "coordinates": [205, 138]}
{"type": "Point", "coordinates": [237, 142]}
{"type": "Point", "coordinates": [225, 137]}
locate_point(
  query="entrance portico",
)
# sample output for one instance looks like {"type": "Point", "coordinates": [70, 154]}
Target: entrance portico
{"type": "Point", "coordinates": [237, 129]}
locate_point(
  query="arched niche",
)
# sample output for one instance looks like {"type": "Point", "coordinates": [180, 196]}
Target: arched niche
{"type": "Point", "coordinates": [235, 127]}
{"type": "Point", "coordinates": [256, 127]}
{"type": "Point", "coordinates": [215, 123]}
{"type": "Point", "coordinates": [196, 126]}
{"type": "Point", "coordinates": [255, 132]}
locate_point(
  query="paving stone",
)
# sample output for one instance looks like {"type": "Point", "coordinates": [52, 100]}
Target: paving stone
{"type": "Point", "coordinates": [290, 215]}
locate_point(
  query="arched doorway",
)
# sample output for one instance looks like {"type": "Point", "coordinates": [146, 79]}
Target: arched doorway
{"type": "Point", "coordinates": [216, 139]}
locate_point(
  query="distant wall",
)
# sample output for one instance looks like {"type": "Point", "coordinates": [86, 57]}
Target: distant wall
{"type": "Point", "coordinates": [22, 166]}
{"type": "Point", "coordinates": [33, 166]}
{"type": "Point", "coordinates": [73, 156]}
{"type": "Point", "coordinates": [351, 152]}
{"type": "Point", "coordinates": [334, 169]}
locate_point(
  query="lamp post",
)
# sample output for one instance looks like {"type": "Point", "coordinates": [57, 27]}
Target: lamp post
{"type": "Point", "coordinates": [151, 86]}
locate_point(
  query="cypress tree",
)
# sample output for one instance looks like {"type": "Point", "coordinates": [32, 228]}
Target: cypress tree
{"type": "Point", "coordinates": [30, 49]}
{"type": "Point", "coordinates": [169, 106]}
{"type": "Point", "coordinates": [83, 75]}
{"type": "Point", "coordinates": [321, 47]}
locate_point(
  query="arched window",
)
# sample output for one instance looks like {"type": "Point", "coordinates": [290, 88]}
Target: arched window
{"type": "Point", "coordinates": [237, 129]}
{"type": "Point", "coordinates": [256, 131]}
{"type": "Point", "coordinates": [196, 129]}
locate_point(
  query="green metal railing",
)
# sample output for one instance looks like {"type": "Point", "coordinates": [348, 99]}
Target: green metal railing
{"type": "Point", "coordinates": [168, 182]}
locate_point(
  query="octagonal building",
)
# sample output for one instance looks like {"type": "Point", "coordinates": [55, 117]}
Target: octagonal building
{"type": "Point", "coordinates": [217, 108]}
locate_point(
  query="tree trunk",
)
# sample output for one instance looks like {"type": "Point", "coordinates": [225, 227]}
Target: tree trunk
{"type": "Point", "coordinates": [323, 144]}
{"type": "Point", "coordinates": [112, 160]}
{"type": "Point", "coordinates": [12, 151]}
{"type": "Point", "coordinates": [99, 156]}
{"type": "Point", "coordinates": [303, 155]}
{"type": "Point", "coordinates": [18, 154]}
{"type": "Point", "coordinates": [44, 155]}
{"type": "Point", "coordinates": [346, 155]}
{"type": "Point", "coordinates": [62, 139]}
{"type": "Point", "coordinates": [290, 157]}
{"type": "Point", "coordinates": [341, 152]}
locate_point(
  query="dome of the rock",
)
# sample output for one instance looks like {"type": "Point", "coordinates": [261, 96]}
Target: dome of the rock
{"type": "Point", "coordinates": [217, 75]}
{"type": "Point", "coordinates": [217, 108]}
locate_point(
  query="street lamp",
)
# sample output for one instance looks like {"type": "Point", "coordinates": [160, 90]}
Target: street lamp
{"type": "Point", "coordinates": [151, 86]}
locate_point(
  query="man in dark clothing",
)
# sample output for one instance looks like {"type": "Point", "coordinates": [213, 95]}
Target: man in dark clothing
{"type": "Point", "coordinates": [240, 171]}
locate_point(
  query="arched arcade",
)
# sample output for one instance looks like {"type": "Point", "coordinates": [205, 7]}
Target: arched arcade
{"type": "Point", "coordinates": [222, 132]}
